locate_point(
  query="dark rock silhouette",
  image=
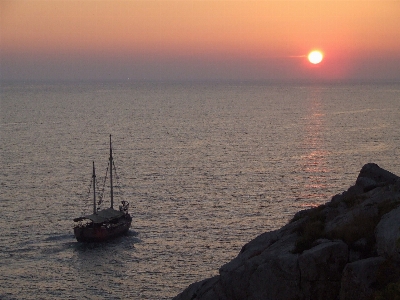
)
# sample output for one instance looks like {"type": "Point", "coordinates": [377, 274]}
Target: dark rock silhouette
{"type": "Point", "coordinates": [348, 248]}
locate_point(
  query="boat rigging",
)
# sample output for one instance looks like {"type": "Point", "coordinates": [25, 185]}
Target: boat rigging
{"type": "Point", "coordinates": [107, 223]}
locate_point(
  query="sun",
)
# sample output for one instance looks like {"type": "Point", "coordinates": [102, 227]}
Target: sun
{"type": "Point", "coordinates": [315, 57]}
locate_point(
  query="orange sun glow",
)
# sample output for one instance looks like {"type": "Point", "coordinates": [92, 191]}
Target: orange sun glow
{"type": "Point", "coordinates": [315, 57]}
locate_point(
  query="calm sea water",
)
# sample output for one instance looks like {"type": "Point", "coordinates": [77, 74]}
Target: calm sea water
{"type": "Point", "coordinates": [205, 167]}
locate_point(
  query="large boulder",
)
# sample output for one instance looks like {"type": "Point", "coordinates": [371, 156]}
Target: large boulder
{"type": "Point", "coordinates": [372, 172]}
{"type": "Point", "coordinates": [359, 277]}
{"type": "Point", "coordinates": [347, 249]}
{"type": "Point", "coordinates": [387, 235]}
{"type": "Point", "coordinates": [321, 269]}
{"type": "Point", "coordinates": [266, 266]}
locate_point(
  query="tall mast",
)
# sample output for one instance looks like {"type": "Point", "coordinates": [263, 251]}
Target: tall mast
{"type": "Point", "coordinates": [94, 190]}
{"type": "Point", "coordinates": [111, 179]}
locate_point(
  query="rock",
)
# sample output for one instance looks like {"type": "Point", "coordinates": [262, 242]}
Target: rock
{"type": "Point", "coordinates": [374, 172]}
{"type": "Point", "coordinates": [347, 249]}
{"type": "Point", "coordinates": [358, 278]}
{"type": "Point", "coordinates": [366, 183]}
{"type": "Point", "coordinates": [321, 269]}
{"type": "Point", "coordinates": [206, 289]}
{"type": "Point", "coordinates": [267, 269]}
{"type": "Point", "coordinates": [277, 277]}
{"type": "Point", "coordinates": [387, 235]}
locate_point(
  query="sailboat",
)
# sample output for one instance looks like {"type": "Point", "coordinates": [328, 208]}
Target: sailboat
{"type": "Point", "coordinates": [103, 224]}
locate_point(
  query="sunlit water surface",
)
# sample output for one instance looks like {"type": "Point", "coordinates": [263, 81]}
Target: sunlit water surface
{"type": "Point", "coordinates": [205, 167]}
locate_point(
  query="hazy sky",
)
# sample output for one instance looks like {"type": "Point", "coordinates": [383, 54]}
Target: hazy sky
{"type": "Point", "coordinates": [199, 39]}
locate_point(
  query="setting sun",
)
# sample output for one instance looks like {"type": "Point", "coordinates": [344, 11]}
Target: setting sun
{"type": "Point", "coordinates": [315, 57]}
{"type": "Point", "coordinates": [199, 40]}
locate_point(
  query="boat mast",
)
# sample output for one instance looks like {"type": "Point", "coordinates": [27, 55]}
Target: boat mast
{"type": "Point", "coordinates": [94, 190]}
{"type": "Point", "coordinates": [111, 179]}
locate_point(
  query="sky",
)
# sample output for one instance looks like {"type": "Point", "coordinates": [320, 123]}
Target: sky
{"type": "Point", "coordinates": [173, 40]}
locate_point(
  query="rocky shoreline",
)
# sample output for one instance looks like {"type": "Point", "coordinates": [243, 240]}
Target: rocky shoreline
{"type": "Point", "coordinates": [348, 248]}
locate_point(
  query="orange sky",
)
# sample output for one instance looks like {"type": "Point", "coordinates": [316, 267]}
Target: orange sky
{"type": "Point", "coordinates": [199, 39]}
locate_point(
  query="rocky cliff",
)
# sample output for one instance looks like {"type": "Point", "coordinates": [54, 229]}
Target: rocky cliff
{"type": "Point", "coordinates": [348, 248]}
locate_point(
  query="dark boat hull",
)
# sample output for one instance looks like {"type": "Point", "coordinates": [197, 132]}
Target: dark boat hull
{"type": "Point", "coordinates": [101, 233]}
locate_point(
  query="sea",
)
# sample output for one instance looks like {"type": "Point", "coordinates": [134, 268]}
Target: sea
{"type": "Point", "coordinates": [205, 166]}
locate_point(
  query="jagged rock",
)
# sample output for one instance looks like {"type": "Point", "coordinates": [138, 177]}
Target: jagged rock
{"type": "Point", "coordinates": [374, 172]}
{"type": "Point", "coordinates": [336, 250]}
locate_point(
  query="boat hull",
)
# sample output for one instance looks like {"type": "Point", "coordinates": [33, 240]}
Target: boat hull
{"type": "Point", "coordinates": [104, 232]}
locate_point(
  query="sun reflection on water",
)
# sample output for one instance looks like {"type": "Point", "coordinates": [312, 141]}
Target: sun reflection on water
{"type": "Point", "coordinates": [313, 162]}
